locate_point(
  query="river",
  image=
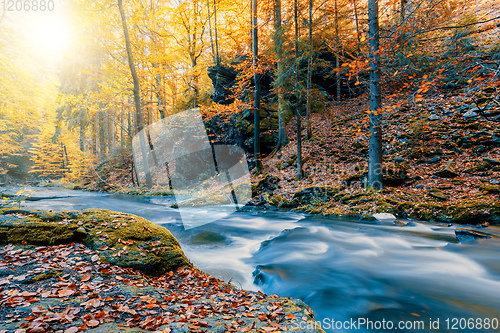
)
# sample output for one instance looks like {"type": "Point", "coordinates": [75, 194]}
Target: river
{"type": "Point", "coordinates": [415, 278]}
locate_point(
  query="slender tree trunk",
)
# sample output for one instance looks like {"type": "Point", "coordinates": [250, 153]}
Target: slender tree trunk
{"type": "Point", "coordinates": [210, 31]}
{"type": "Point", "coordinates": [297, 92]}
{"type": "Point", "coordinates": [113, 136]}
{"type": "Point", "coordinates": [216, 37]}
{"type": "Point", "coordinates": [256, 104]}
{"type": "Point", "coordinates": [375, 145]}
{"type": "Point", "coordinates": [102, 135]}
{"type": "Point", "coordinates": [160, 99]}
{"type": "Point", "coordinates": [309, 73]}
{"type": "Point", "coordinates": [282, 137]}
{"type": "Point", "coordinates": [82, 135]}
{"type": "Point", "coordinates": [337, 50]}
{"type": "Point", "coordinates": [137, 97]}
{"type": "Point", "coordinates": [357, 25]}
{"type": "Point", "coordinates": [122, 129]}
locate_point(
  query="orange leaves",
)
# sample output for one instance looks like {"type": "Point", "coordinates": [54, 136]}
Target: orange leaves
{"type": "Point", "coordinates": [65, 292]}
{"type": "Point", "coordinates": [189, 295]}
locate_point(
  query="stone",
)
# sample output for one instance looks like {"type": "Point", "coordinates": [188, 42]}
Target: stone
{"type": "Point", "coordinates": [420, 186]}
{"type": "Point", "coordinates": [467, 235]}
{"type": "Point", "coordinates": [470, 114]}
{"type": "Point", "coordinates": [151, 248]}
{"type": "Point", "coordinates": [463, 108]}
{"type": "Point", "coordinates": [434, 160]}
{"type": "Point", "coordinates": [434, 117]}
{"type": "Point", "coordinates": [494, 182]}
{"type": "Point", "coordinates": [437, 194]}
{"type": "Point", "coordinates": [399, 159]}
{"type": "Point", "coordinates": [492, 161]}
{"type": "Point", "coordinates": [446, 174]}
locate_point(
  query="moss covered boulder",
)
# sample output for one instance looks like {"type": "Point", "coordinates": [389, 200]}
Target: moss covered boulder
{"type": "Point", "coordinates": [121, 239]}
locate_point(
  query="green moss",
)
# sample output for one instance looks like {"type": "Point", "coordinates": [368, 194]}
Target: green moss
{"type": "Point", "coordinates": [123, 239]}
{"type": "Point", "coordinates": [45, 276]}
{"type": "Point", "coordinates": [490, 189]}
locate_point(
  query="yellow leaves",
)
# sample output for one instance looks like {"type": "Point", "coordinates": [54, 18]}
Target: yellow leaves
{"type": "Point", "coordinates": [418, 98]}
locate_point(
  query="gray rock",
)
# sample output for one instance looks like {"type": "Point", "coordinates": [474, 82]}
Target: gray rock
{"type": "Point", "coordinates": [434, 117]}
{"type": "Point", "coordinates": [494, 182]}
{"type": "Point", "coordinates": [470, 114]}
{"type": "Point", "coordinates": [399, 159]}
{"type": "Point", "coordinates": [492, 161]}
{"type": "Point", "coordinates": [467, 235]}
{"type": "Point", "coordinates": [463, 108]}
{"type": "Point", "coordinates": [420, 187]}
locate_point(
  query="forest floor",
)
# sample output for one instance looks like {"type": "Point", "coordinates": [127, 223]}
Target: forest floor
{"type": "Point", "coordinates": [439, 153]}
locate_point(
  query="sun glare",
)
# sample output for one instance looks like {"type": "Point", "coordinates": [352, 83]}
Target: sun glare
{"type": "Point", "coordinates": [51, 38]}
{"type": "Point", "coordinates": [47, 34]}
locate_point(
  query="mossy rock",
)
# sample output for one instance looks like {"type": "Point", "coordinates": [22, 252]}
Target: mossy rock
{"type": "Point", "coordinates": [313, 193]}
{"type": "Point", "coordinates": [462, 212]}
{"type": "Point", "coordinates": [209, 200]}
{"type": "Point", "coordinates": [123, 239]}
{"type": "Point", "coordinates": [438, 194]}
{"type": "Point", "coordinates": [266, 183]}
{"type": "Point", "coordinates": [490, 189]}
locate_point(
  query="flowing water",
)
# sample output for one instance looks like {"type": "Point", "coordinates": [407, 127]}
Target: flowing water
{"type": "Point", "coordinates": [376, 274]}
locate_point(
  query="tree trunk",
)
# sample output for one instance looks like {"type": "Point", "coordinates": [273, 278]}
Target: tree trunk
{"type": "Point", "coordinates": [256, 104]}
{"type": "Point", "coordinates": [282, 138]}
{"type": "Point", "coordinates": [375, 146]}
{"type": "Point", "coordinates": [137, 97]}
{"type": "Point", "coordinates": [403, 10]}
{"type": "Point", "coordinates": [357, 25]}
{"type": "Point", "coordinates": [337, 50]}
{"type": "Point", "coordinates": [210, 31]}
{"type": "Point", "coordinates": [309, 73]}
{"type": "Point", "coordinates": [297, 92]}
{"type": "Point", "coordinates": [216, 37]}
{"type": "Point", "coordinates": [82, 135]}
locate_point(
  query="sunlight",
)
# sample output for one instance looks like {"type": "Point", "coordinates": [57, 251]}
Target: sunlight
{"type": "Point", "coordinates": [49, 36]}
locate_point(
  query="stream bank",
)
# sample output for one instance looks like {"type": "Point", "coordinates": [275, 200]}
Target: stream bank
{"type": "Point", "coordinates": [50, 283]}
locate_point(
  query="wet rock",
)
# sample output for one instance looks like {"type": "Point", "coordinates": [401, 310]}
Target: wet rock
{"type": "Point", "coordinates": [467, 235]}
{"type": "Point", "coordinates": [470, 114]}
{"type": "Point", "coordinates": [434, 117]}
{"type": "Point", "coordinates": [463, 108]}
{"type": "Point", "coordinates": [384, 216]}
